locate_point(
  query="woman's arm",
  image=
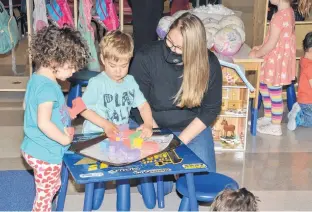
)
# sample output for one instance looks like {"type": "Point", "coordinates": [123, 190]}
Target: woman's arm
{"type": "Point", "coordinates": [48, 127]}
{"type": "Point", "coordinates": [192, 130]}
{"type": "Point", "coordinates": [211, 103]}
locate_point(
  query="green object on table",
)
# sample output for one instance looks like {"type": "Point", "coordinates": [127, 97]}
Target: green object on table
{"type": "Point", "coordinates": [134, 136]}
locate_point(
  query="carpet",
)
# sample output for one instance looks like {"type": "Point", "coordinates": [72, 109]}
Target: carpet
{"type": "Point", "coordinates": [17, 190]}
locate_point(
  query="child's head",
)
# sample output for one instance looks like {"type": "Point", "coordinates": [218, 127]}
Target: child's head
{"type": "Point", "coordinates": [116, 52]}
{"type": "Point", "coordinates": [235, 200]}
{"type": "Point", "coordinates": [62, 50]}
{"type": "Point", "coordinates": [307, 42]}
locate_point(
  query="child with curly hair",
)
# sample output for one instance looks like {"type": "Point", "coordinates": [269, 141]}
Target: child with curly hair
{"type": "Point", "coordinates": [57, 53]}
{"type": "Point", "coordinates": [301, 112]}
{"type": "Point", "coordinates": [239, 200]}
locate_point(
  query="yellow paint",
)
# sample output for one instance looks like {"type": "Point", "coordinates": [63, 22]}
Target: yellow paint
{"type": "Point", "coordinates": [117, 138]}
{"type": "Point", "coordinates": [137, 143]}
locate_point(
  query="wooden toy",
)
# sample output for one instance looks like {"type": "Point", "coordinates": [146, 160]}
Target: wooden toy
{"type": "Point", "coordinates": [78, 107]}
{"type": "Point", "coordinates": [229, 130]}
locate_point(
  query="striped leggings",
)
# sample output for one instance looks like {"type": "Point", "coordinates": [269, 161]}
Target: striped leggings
{"type": "Point", "coordinates": [272, 102]}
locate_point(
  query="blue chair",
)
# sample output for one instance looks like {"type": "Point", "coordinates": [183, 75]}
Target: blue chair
{"type": "Point", "coordinates": [207, 187]}
{"type": "Point", "coordinates": [77, 81]}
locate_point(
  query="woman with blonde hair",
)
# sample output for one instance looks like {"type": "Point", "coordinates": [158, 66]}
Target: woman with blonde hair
{"type": "Point", "coordinates": [182, 81]}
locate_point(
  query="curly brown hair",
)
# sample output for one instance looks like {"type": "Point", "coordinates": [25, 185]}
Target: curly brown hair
{"type": "Point", "coordinates": [235, 200]}
{"type": "Point", "coordinates": [53, 47]}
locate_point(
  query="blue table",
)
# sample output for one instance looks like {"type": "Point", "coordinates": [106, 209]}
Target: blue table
{"type": "Point", "coordinates": [186, 162]}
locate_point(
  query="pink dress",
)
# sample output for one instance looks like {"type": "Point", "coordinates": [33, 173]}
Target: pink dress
{"type": "Point", "coordinates": [279, 66]}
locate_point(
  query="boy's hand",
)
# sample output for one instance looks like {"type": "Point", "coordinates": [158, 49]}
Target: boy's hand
{"type": "Point", "coordinates": [110, 129]}
{"type": "Point", "coordinates": [147, 131]}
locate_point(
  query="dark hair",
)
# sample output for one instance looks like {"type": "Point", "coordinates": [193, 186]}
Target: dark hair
{"type": "Point", "coordinates": [235, 200]}
{"type": "Point", "coordinates": [53, 47]}
{"type": "Point", "coordinates": [307, 42]}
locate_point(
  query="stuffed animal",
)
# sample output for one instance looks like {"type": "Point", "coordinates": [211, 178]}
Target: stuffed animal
{"type": "Point", "coordinates": [224, 29]}
{"type": "Point", "coordinates": [227, 41]}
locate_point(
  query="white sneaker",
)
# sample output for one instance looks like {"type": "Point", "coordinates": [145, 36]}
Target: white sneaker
{"type": "Point", "coordinates": [262, 121]}
{"type": "Point", "coordinates": [292, 125]}
{"type": "Point", "coordinates": [295, 109]}
{"type": "Point", "coordinates": [270, 129]}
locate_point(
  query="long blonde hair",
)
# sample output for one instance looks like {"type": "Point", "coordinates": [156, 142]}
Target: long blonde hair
{"type": "Point", "coordinates": [195, 60]}
{"type": "Point", "coordinates": [304, 7]}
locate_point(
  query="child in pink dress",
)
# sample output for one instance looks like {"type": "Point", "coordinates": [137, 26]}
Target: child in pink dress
{"type": "Point", "coordinates": [279, 66]}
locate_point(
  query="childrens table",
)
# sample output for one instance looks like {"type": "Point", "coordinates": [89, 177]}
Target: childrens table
{"type": "Point", "coordinates": [180, 161]}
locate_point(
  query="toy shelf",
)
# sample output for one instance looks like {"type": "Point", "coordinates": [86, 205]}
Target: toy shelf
{"type": "Point", "coordinates": [230, 128]}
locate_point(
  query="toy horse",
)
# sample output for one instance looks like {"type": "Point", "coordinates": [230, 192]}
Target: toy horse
{"type": "Point", "coordinates": [227, 127]}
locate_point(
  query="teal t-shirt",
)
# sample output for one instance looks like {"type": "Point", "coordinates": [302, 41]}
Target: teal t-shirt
{"type": "Point", "coordinates": [111, 100]}
{"type": "Point", "coordinates": [41, 89]}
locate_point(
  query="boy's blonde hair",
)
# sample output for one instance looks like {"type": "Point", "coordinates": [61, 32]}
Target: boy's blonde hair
{"type": "Point", "coordinates": [116, 45]}
{"type": "Point", "coordinates": [235, 200]}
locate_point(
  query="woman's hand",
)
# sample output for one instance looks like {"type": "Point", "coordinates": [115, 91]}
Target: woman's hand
{"type": "Point", "coordinates": [147, 131]}
{"type": "Point", "coordinates": [110, 129]}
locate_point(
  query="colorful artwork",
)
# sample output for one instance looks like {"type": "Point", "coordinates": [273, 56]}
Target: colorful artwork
{"type": "Point", "coordinates": [124, 148]}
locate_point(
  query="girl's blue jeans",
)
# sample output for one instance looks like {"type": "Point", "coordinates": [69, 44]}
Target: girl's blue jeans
{"type": "Point", "coordinates": [304, 116]}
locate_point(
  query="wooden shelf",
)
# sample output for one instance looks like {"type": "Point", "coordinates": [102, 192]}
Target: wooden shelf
{"type": "Point", "coordinates": [13, 83]}
{"type": "Point", "coordinates": [308, 22]}
{"type": "Point", "coordinates": [299, 53]}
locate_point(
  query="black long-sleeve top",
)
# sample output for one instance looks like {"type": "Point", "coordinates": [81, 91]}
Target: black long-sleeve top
{"type": "Point", "coordinates": [160, 81]}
